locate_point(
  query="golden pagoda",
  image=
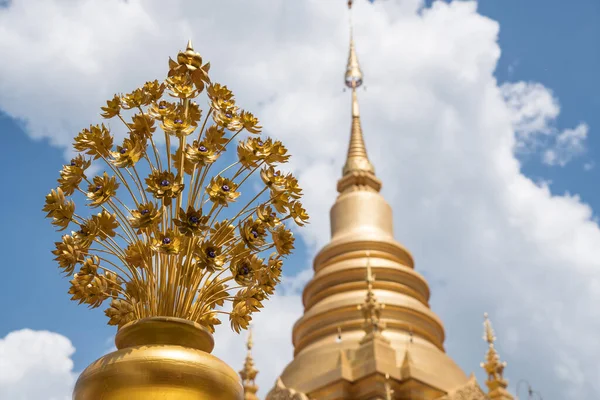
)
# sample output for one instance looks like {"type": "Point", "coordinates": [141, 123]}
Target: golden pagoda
{"type": "Point", "coordinates": [393, 345]}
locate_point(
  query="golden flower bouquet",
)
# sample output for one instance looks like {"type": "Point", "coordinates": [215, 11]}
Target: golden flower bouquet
{"type": "Point", "coordinates": [156, 246]}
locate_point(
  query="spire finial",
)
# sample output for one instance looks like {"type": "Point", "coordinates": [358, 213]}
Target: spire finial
{"type": "Point", "coordinates": [249, 372]}
{"type": "Point", "coordinates": [371, 308]}
{"type": "Point", "coordinates": [357, 161]}
{"type": "Point", "coordinates": [189, 45]}
{"type": "Point", "coordinates": [249, 343]}
{"type": "Point", "coordinates": [496, 382]}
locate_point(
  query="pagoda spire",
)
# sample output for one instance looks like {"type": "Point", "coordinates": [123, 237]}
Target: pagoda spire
{"type": "Point", "coordinates": [494, 368]}
{"type": "Point", "coordinates": [249, 372]}
{"type": "Point", "coordinates": [358, 170]}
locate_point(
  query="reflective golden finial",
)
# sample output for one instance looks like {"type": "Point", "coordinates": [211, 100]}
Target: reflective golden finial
{"type": "Point", "coordinates": [371, 308]}
{"type": "Point", "coordinates": [496, 382]}
{"type": "Point", "coordinates": [248, 374]}
{"type": "Point", "coordinates": [357, 161]}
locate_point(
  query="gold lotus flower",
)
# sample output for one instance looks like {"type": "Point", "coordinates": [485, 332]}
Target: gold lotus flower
{"type": "Point", "coordinates": [253, 233]}
{"type": "Point", "coordinates": [292, 187]}
{"type": "Point", "coordinates": [104, 224]}
{"type": "Point", "coordinates": [222, 191]}
{"type": "Point", "coordinates": [250, 122]}
{"type": "Point", "coordinates": [141, 128]}
{"type": "Point", "coordinates": [190, 62]}
{"type": "Point", "coordinates": [260, 147]}
{"type": "Point", "coordinates": [154, 90]}
{"type": "Point", "coordinates": [209, 319]}
{"type": "Point", "coordinates": [102, 189]}
{"type": "Point", "coordinates": [240, 317]}
{"type": "Point", "coordinates": [191, 222]}
{"type": "Point", "coordinates": [244, 270]}
{"type": "Point", "coordinates": [90, 287]}
{"type": "Point", "coordinates": [72, 174]}
{"type": "Point", "coordinates": [167, 243]}
{"type": "Point", "coordinates": [160, 254]}
{"type": "Point", "coordinates": [59, 209]}
{"type": "Point", "coordinates": [177, 124]}
{"type": "Point", "coordinates": [139, 254]}
{"type": "Point", "coordinates": [129, 153]}
{"type": "Point", "coordinates": [278, 154]}
{"type": "Point", "coordinates": [113, 107]}
{"type": "Point", "coordinates": [161, 109]}
{"type": "Point", "coordinates": [182, 86]}
{"type": "Point", "coordinates": [217, 94]}
{"type": "Point", "coordinates": [266, 214]}
{"type": "Point", "coordinates": [280, 201]}
{"type": "Point", "coordinates": [246, 155]}
{"type": "Point", "coordinates": [188, 165]}
{"type": "Point", "coordinates": [270, 276]}
{"type": "Point", "coordinates": [209, 257]}
{"type": "Point", "coordinates": [135, 99]}
{"type": "Point", "coordinates": [96, 141]}
{"type": "Point", "coordinates": [86, 234]}
{"type": "Point", "coordinates": [164, 185]}
{"type": "Point", "coordinates": [283, 239]}
{"type": "Point", "coordinates": [145, 217]}
{"type": "Point", "coordinates": [227, 116]}
{"type": "Point", "coordinates": [273, 179]}
{"type": "Point", "coordinates": [120, 312]}
{"type": "Point", "coordinates": [69, 253]}
{"type": "Point", "coordinates": [298, 213]}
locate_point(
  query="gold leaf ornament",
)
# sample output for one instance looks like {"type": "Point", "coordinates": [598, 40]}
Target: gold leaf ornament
{"type": "Point", "coordinates": [172, 225]}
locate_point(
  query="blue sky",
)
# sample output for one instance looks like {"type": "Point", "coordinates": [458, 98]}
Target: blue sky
{"type": "Point", "coordinates": [552, 42]}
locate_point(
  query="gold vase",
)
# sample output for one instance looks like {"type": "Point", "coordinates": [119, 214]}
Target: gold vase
{"type": "Point", "coordinates": [160, 358]}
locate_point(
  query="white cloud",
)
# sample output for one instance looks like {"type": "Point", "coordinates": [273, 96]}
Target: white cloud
{"type": "Point", "coordinates": [36, 365]}
{"type": "Point", "coordinates": [441, 132]}
{"type": "Point", "coordinates": [568, 144]}
{"type": "Point", "coordinates": [534, 110]}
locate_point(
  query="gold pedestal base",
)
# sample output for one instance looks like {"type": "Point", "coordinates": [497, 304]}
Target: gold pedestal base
{"type": "Point", "coordinates": [158, 359]}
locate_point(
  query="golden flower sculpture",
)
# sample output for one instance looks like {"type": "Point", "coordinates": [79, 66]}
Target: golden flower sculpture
{"type": "Point", "coordinates": [154, 244]}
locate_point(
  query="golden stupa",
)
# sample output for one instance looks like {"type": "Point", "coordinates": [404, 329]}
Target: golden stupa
{"type": "Point", "coordinates": [377, 339]}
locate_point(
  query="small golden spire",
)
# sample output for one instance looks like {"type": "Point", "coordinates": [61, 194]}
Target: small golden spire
{"type": "Point", "coordinates": [388, 390]}
{"type": "Point", "coordinates": [371, 308]}
{"type": "Point", "coordinates": [493, 366]}
{"type": "Point", "coordinates": [248, 374]}
{"type": "Point", "coordinates": [357, 161]}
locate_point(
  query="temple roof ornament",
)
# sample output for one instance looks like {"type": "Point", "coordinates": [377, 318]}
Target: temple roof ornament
{"type": "Point", "coordinates": [249, 372]}
{"type": "Point", "coordinates": [494, 368]}
{"type": "Point", "coordinates": [358, 172]}
{"type": "Point", "coordinates": [371, 308]}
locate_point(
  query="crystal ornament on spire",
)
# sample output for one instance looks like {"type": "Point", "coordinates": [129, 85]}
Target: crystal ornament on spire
{"type": "Point", "coordinates": [357, 165]}
{"type": "Point", "coordinates": [494, 368]}
{"type": "Point", "coordinates": [248, 374]}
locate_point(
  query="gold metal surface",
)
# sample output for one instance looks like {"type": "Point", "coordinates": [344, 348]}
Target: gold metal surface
{"type": "Point", "coordinates": [157, 359]}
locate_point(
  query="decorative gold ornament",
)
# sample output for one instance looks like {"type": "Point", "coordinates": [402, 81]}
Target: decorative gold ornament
{"type": "Point", "coordinates": [170, 236]}
{"type": "Point", "coordinates": [494, 368]}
